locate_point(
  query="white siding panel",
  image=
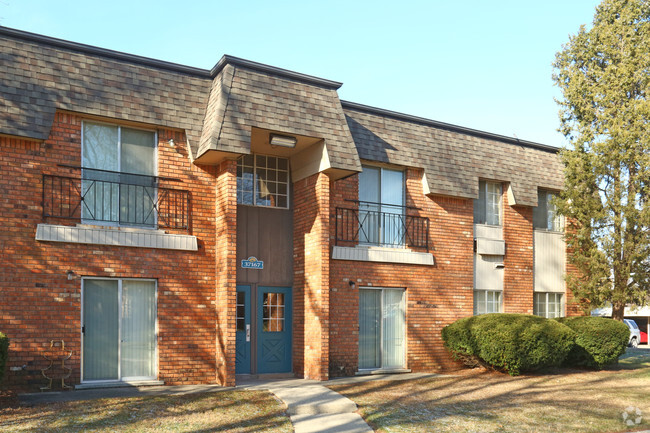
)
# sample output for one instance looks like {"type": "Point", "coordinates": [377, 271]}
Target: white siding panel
{"type": "Point", "coordinates": [130, 238]}
{"type": "Point", "coordinates": [488, 232]}
{"type": "Point", "coordinates": [384, 255]}
{"type": "Point", "coordinates": [549, 261]}
{"type": "Point", "coordinates": [492, 247]}
{"type": "Point", "coordinates": [488, 272]}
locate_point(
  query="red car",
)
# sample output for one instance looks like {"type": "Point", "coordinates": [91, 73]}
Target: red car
{"type": "Point", "coordinates": [644, 338]}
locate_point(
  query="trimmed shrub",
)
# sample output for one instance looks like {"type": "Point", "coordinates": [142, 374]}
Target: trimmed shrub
{"type": "Point", "coordinates": [509, 342]}
{"type": "Point", "coordinates": [4, 354]}
{"type": "Point", "coordinates": [599, 341]}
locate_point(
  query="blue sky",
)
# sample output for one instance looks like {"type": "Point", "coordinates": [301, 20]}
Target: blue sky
{"type": "Point", "coordinates": [483, 65]}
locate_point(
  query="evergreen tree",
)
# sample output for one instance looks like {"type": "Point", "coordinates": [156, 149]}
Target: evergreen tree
{"type": "Point", "coordinates": [604, 75]}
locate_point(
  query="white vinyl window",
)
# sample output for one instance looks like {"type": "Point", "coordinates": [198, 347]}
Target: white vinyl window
{"type": "Point", "coordinates": [487, 208]}
{"type": "Point", "coordinates": [548, 305]}
{"type": "Point", "coordinates": [545, 216]}
{"type": "Point", "coordinates": [487, 301]}
{"type": "Point", "coordinates": [263, 181]}
{"type": "Point", "coordinates": [119, 169]}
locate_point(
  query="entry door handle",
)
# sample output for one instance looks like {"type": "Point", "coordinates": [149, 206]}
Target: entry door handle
{"type": "Point", "coordinates": [248, 333]}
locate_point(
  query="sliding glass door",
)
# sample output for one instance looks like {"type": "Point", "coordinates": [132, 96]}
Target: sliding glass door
{"type": "Point", "coordinates": [382, 325]}
{"type": "Point", "coordinates": [119, 330]}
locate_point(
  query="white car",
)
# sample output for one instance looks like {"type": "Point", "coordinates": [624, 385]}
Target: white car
{"type": "Point", "coordinates": [635, 333]}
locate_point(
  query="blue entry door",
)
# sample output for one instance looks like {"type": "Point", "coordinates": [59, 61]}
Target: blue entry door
{"type": "Point", "coordinates": [243, 334]}
{"type": "Point", "coordinates": [274, 330]}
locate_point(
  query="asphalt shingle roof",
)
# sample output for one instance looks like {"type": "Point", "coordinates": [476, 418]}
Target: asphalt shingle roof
{"type": "Point", "coordinates": [242, 98]}
{"type": "Point", "coordinates": [454, 158]}
{"type": "Point", "coordinates": [218, 109]}
{"type": "Point", "coordinates": [38, 79]}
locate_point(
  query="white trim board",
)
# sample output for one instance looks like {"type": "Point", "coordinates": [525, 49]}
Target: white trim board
{"type": "Point", "coordinates": [385, 255]}
{"type": "Point", "coordinates": [109, 236]}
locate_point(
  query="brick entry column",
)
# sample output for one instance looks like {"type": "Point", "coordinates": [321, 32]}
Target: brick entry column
{"type": "Point", "coordinates": [311, 277]}
{"type": "Point", "coordinates": [226, 271]}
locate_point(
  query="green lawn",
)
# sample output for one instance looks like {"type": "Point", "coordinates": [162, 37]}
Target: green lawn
{"type": "Point", "coordinates": [224, 411]}
{"type": "Point", "coordinates": [559, 401]}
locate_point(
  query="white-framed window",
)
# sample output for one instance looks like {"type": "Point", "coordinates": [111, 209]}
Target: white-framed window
{"type": "Point", "coordinates": [548, 305]}
{"type": "Point", "coordinates": [487, 301]}
{"type": "Point", "coordinates": [263, 180]}
{"type": "Point", "coordinates": [119, 169]}
{"type": "Point", "coordinates": [381, 206]}
{"type": "Point", "coordinates": [487, 208]}
{"type": "Point", "coordinates": [545, 216]}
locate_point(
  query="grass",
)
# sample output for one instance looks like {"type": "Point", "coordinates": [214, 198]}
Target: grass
{"type": "Point", "coordinates": [224, 411]}
{"type": "Point", "coordinates": [562, 400]}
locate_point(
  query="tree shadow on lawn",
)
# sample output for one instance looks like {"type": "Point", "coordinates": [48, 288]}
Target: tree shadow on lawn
{"type": "Point", "coordinates": [155, 412]}
{"type": "Point", "coordinates": [556, 400]}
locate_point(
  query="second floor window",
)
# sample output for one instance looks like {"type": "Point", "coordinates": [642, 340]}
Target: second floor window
{"type": "Point", "coordinates": [119, 183]}
{"type": "Point", "coordinates": [487, 208]}
{"type": "Point", "coordinates": [381, 206]}
{"type": "Point", "coordinates": [545, 216]}
{"type": "Point", "coordinates": [263, 181]}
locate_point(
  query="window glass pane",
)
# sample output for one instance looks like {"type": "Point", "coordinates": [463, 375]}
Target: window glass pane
{"type": "Point", "coordinates": [273, 312]}
{"type": "Point", "coordinates": [100, 146]}
{"type": "Point", "coordinates": [480, 203]}
{"type": "Point", "coordinates": [539, 304]}
{"type": "Point", "coordinates": [487, 301]}
{"type": "Point", "coordinates": [266, 183]}
{"type": "Point", "coordinates": [101, 323]}
{"type": "Point", "coordinates": [539, 212]}
{"type": "Point", "coordinates": [392, 190]}
{"type": "Point", "coordinates": [138, 152]}
{"type": "Point", "coordinates": [369, 328]}
{"type": "Point", "coordinates": [100, 190]}
{"type": "Point", "coordinates": [138, 334]}
{"type": "Point", "coordinates": [369, 185]}
{"type": "Point", "coordinates": [493, 205]}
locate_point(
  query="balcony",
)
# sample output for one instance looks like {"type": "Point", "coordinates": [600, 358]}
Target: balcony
{"type": "Point", "coordinates": [383, 225]}
{"type": "Point", "coordinates": [102, 197]}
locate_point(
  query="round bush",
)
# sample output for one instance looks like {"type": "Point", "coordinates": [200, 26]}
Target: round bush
{"type": "Point", "coordinates": [599, 341]}
{"type": "Point", "coordinates": [509, 342]}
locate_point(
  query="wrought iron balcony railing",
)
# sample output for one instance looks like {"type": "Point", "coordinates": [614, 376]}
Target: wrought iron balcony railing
{"type": "Point", "coordinates": [108, 197]}
{"type": "Point", "coordinates": [382, 225]}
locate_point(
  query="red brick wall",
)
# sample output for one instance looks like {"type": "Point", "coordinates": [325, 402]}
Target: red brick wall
{"type": "Point", "coordinates": [38, 303]}
{"type": "Point", "coordinates": [311, 277]}
{"type": "Point", "coordinates": [226, 271]}
{"type": "Point", "coordinates": [435, 295]}
{"type": "Point", "coordinates": [518, 261]}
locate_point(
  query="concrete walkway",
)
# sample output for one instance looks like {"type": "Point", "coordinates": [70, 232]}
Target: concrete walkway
{"type": "Point", "coordinates": [312, 407]}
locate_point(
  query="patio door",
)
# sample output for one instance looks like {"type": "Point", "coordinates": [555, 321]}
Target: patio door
{"type": "Point", "coordinates": [382, 321]}
{"type": "Point", "coordinates": [118, 330]}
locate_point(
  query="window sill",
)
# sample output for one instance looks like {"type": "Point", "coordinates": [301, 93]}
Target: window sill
{"type": "Point", "coordinates": [382, 255]}
{"type": "Point", "coordinates": [128, 237]}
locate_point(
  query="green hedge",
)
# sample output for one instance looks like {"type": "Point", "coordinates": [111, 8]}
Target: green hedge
{"type": "Point", "coordinates": [509, 342]}
{"type": "Point", "coordinates": [4, 354]}
{"type": "Point", "coordinates": [599, 341]}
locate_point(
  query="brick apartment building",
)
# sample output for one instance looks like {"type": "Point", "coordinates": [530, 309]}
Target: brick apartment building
{"type": "Point", "coordinates": [180, 225]}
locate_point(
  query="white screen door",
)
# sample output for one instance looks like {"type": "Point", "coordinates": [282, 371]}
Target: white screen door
{"type": "Point", "coordinates": [119, 337]}
{"type": "Point", "coordinates": [382, 323]}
